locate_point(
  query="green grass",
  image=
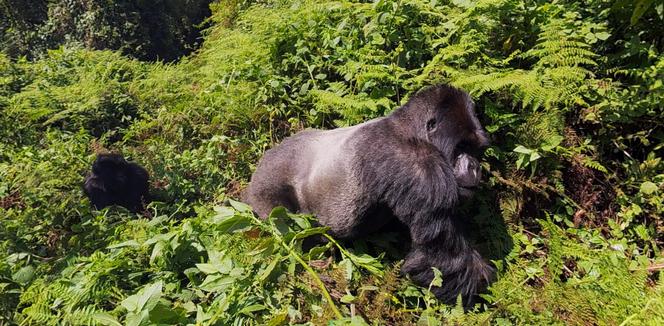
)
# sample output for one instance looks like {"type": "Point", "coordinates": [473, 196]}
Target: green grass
{"type": "Point", "coordinates": [571, 210]}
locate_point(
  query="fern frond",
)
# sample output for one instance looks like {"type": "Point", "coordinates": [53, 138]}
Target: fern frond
{"type": "Point", "coordinates": [588, 162]}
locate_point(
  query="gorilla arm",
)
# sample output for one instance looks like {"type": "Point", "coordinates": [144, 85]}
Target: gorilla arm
{"type": "Point", "coordinates": [421, 189]}
{"type": "Point", "coordinates": [413, 178]}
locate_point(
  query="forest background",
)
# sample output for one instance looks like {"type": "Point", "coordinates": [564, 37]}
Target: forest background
{"type": "Point", "coordinates": [571, 93]}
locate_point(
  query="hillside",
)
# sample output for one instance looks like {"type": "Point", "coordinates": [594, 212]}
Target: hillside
{"type": "Point", "coordinates": [571, 210]}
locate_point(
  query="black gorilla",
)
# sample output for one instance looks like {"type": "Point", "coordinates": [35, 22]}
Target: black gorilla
{"type": "Point", "coordinates": [413, 165]}
{"type": "Point", "coordinates": [114, 181]}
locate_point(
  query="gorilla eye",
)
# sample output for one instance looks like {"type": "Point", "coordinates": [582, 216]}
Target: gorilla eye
{"type": "Point", "coordinates": [431, 124]}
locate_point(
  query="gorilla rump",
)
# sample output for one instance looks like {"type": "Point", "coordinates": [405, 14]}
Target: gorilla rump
{"type": "Point", "coordinates": [114, 181]}
{"type": "Point", "coordinates": [413, 165]}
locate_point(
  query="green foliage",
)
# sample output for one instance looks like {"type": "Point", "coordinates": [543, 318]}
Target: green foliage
{"type": "Point", "coordinates": [149, 30]}
{"type": "Point", "coordinates": [570, 92]}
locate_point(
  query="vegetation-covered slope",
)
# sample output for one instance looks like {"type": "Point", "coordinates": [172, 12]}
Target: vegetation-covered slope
{"type": "Point", "coordinates": [571, 93]}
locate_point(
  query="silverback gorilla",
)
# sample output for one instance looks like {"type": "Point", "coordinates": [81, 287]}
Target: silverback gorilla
{"type": "Point", "coordinates": [114, 181]}
{"type": "Point", "coordinates": [413, 165]}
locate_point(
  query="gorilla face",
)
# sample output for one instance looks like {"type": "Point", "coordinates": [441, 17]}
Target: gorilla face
{"type": "Point", "coordinates": [453, 128]}
{"type": "Point", "coordinates": [445, 118]}
{"type": "Point", "coordinates": [467, 174]}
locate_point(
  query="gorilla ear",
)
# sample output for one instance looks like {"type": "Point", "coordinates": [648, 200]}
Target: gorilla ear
{"type": "Point", "coordinates": [431, 124]}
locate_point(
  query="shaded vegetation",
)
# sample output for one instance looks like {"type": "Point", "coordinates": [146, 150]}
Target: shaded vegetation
{"type": "Point", "coordinates": [571, 93]}
{"type": "Point", "coordinates": [148, 30]}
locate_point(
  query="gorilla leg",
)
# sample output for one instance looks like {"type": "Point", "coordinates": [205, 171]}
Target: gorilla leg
{"type": "Point", "coordinates": [265, 197]}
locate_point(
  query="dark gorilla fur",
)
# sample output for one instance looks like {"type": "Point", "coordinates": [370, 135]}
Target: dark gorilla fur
{"type": "Point", "coordinates": [114, 181]}
{"type": "Point", "coordinates": [413, 165]}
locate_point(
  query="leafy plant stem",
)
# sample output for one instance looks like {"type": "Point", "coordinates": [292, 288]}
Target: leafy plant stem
{"type": "Point", "coordinates": [304, 265]}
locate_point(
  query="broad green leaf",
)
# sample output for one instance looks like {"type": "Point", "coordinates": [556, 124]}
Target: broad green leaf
{"type": "Point", "coordinates": [347, 265]}
{"type": "Point", "coordinates": [437, 277]}
{"type": "Point", "coordinates": [521, 149]}
{"type": "Point", "coordinates": [217, 282]}
{"type": "Point", "coordinates": [268, 270]}
{"type": "Point", "coordinates": [156, 251]}
{"type": "Point", "coordinates": [162, 313]}
{"type": "Point", "coordinates": [128, 243]}
{"type": "Point", "coordinates": [144, 299]}
{"type": "Point", "coordinates": [207, 268]}
{"type": "Point", "coordinates": [24, 275]}
{"type": "Point", "coordinates": [640, 9]}
{"type": "Point", "coordinates": [224, 266]}
{"type": "Point", "coordinates": [348, 298]}
{"type": "Point", "coordinates": [278, 319]}
{"type": "Point", "coordinates": [160, 237]}
{"type": "Point", "coordinates": [252, 308]}
{"type": "Point", "coordinates": [301, 221]}
{"type": "Point", "coordinates": [648, 188]}
{"type": "Point", "coordinates": [534, 156]}
{"type": "Point", "coordinates": [223, 212]}
{"type": "Point", "coordinates": [309, 232]}
{"type": "Point", "coordinates": [234, 223]}
{"type": "Point", "coordinates": [602, 35]}
{"type": "Point", "coordinates": [106, 319]}
{"type": "Point", "coordinates": [241, 207]}
{"type": "Point", "coordinates": [349, 321]}
{"type": "Point", "coordinates": [141, 318]}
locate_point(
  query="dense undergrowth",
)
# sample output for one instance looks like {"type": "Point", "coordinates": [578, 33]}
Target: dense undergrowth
{"type": "Point", "coordinates": [148, 30]}
{"type": "Point", "coordinates": [571, 213]}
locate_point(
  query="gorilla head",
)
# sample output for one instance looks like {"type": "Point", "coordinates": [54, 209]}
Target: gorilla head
{"type": "Point", "coordinates": [114, 181]}
{"type": "Point", "coordinates": [412, 166]}
{"type": "Point", "coordinates": [445, 117]}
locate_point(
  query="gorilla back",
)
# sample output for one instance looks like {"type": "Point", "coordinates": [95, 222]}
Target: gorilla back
{"type": "Point", "coordinates": [413, 165]}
